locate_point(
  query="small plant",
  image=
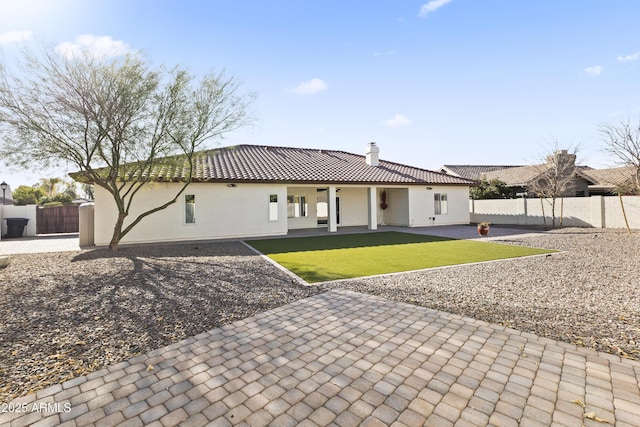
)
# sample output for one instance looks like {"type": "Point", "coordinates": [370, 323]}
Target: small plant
{"type": "Point", "coordinates": [484, 224]}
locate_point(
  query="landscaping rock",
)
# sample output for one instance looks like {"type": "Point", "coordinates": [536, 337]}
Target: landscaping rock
{"type": "Point", "coordinates": [69, 313]}
{"type": "Point", "coordinates": [4, 261]}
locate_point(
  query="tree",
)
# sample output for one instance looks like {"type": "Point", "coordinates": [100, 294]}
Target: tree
{"type": "Point", "coordinates": [50, 186]}
{"type": "Point", "coordinates": [87, 190]}
{"type": "Point", "coordinates": [115, 120]}
{"type": "Point", "coordinates": [623, 142]}
{"type": "Point", "coordinates": [625, 189]}
{"type": "Point", "coordinates": [555, 180]}
{"type": "Point", "coordinates": [25, 195]}
{"type": "Point", "coordinates": [494, 189]}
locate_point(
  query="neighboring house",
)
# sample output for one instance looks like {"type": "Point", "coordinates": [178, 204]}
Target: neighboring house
{"type": "Point", "coordinates": [521, 178]}
{"type": "Point", "coordinates": [605, 181]}
{"type": "Point", "coordinates": [250, 190]}
{"type": "Point", "coordinates": [474, 172]}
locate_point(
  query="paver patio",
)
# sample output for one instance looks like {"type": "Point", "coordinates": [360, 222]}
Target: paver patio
{"type": "Point", "coordinates": [344, 358]}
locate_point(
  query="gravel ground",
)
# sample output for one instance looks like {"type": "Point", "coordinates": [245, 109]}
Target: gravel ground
{"type": "Point", "coordinates": [588, 294]}
{"type": "Point", "coordinates": [69, 313]}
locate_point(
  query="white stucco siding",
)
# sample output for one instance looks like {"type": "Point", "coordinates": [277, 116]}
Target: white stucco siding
{"type": "Point", "coordinates": [422, 205]}
{"type": "Point", "coordinates": [220, 212]}
{"type": "Point", "coordinates": [353, 206]}
{"type": "Point", "coordinates": [457, 205]}
{"type": "Point", "coordinates": [397, 211]}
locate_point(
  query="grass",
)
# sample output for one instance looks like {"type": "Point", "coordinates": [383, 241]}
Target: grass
{"type": "Point", "coordinates": [322, 258]}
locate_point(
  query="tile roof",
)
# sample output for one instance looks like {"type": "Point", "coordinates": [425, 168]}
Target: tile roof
{"type": "Point", "coordinates": [610, 177]}
{"type": "Point", "coordinates": [518, 176]}
{"type": "Point", "coordinates": [257, 163]}
{"type": "Point", "coordinates": [472, 171]}
{"type": "Point", "coordinates": [522, 176]}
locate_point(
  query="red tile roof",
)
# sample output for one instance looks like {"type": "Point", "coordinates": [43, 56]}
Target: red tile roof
{"type": "Point", "coordinates": [255, 163]}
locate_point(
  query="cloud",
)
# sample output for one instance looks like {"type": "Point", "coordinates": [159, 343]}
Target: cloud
{"type": "Point", "coordinates": [101, 47]}
{"type": "Point", "coordinates": [14, 37]}
{"type": "Point", "coordinates": [397, 120]}
{"type": "Point", "coordinates": [432, 6]}
{"type": "Point", "coordinates": [310, 87]}
{"type": "Point", "coordinates": [593, 71]}
{"type": "Point", "coordinates": [387, 53]}
{"type": "Point", "coordinates": [632, 57]}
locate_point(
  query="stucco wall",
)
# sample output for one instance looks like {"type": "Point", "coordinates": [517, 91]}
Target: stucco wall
{"type": "Point", "coordinates": [243, 211]}
{"type": "Point", "coordinates": [221, 212]}
{"type": "Point", "coordinates": [12, 211]}
{"type": "Point", "coordinates": [613, 217]}
{"type": "Point", "coordinates": [397, 212]}
{"type": "Point", "coordinates": [595, 211]}
{"type": "Point", "coordinates": [421, 205]}
{"type": "Point", "coordinates": [353, 209]}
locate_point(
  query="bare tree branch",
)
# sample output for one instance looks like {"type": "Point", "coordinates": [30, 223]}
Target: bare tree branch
{"type": "Point", "coordinates": [556, 177]}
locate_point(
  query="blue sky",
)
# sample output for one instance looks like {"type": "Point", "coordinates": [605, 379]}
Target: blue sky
{"type": "Point", "coordinates": [432, 82]}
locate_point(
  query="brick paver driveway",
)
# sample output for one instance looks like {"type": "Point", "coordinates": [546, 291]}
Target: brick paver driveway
{"type": "Point", "coordinates": [347, 359]}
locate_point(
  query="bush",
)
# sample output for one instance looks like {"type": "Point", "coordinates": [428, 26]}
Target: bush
{"type": "Point", "coordinates": [25, 195]}
{"type": "Point", "coordinates": [494, 189]}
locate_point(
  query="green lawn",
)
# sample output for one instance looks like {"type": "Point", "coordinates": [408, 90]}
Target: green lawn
{"type": "Point", "coordinates": [322, 258]}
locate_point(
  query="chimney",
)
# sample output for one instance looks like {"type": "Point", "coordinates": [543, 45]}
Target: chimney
{"type": "Point", "coordinates": [561, 157]}
{"type": "Point", "coordinates": [372, 154]}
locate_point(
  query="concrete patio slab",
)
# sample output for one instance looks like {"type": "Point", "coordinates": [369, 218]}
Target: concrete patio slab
{"type": "Point", "coordinates": [40, 244]}
{"type": "Point", "coordinates": [347, 359]}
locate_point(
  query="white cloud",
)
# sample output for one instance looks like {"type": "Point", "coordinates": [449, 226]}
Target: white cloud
{"type": "Point", "coordinates": [101, 47]}
{"type": "Point", "coordinates": [397, 120]}
{"type": "Point", "coordinates": [387, 53]}
{"type": "Point", "coordinates": [432, 6]}
{"type": "Point", "coordinates": [593, 71]}
{"type": "Point", "coordinates": [632, 57]}
{"type": "Point", "coordinates": [310, 87]}
{"type": "Point", "coordinates": [14, 36]}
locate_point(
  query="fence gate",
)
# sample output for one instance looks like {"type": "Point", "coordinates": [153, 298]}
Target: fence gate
{"type": "Point", "coordinates": [57, 219]}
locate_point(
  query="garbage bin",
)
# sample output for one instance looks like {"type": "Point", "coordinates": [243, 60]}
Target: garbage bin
{"type": "Point", "coordinates": [15, 227]}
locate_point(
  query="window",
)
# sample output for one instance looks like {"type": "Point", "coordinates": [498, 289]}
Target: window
{"type": "Point", "coordinates": [273, 207]}
{"type": "Point", "coordinates": [440, 204]}
{"type": "Point", "coordinates": [190, 209]}
{"type": "Point", "coordinates": [296, 206]}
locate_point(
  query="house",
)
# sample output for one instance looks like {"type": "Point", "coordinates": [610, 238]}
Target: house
{"type": "Point", "coordinates": [522, 178]}
{"type": "Point", "coordinates": [474, 172]}
{"type": "Point", "coordinates": [251, 190]}
{"type": "Point", "coordinates": [604, 182]}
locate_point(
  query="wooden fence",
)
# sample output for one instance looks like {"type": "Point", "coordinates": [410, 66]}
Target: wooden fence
{"type": "Point", "coordinates": [57, 219]}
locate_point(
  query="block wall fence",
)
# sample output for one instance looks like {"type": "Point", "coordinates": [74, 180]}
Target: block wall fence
{"type": "Point", "coordinates": [594, 211]}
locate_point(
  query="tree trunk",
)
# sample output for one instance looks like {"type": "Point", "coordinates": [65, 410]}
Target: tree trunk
{"type": "Point", "coordinates": [117, 232]}
{"type": "Point", "coordinates": [553, 212]}
{"type": "Point", "coordinates": [544, 217]}
{"type": "Point", "coordinates": [561, 210]}
{"type": "Point", "coordinates": [624, 213]}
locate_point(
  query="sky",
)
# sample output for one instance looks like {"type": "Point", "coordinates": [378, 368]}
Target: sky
{"type": "Point", "coordinates": [432, 82]}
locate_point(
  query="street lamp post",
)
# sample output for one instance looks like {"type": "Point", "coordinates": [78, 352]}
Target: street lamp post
{"type": "Point", "coordinates": [4, 186]}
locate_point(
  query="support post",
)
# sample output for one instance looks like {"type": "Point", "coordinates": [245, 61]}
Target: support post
{"type": "Point", "coordinates": [372, 199]}
{"type": "Point", "coordinates": [333, 218]}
